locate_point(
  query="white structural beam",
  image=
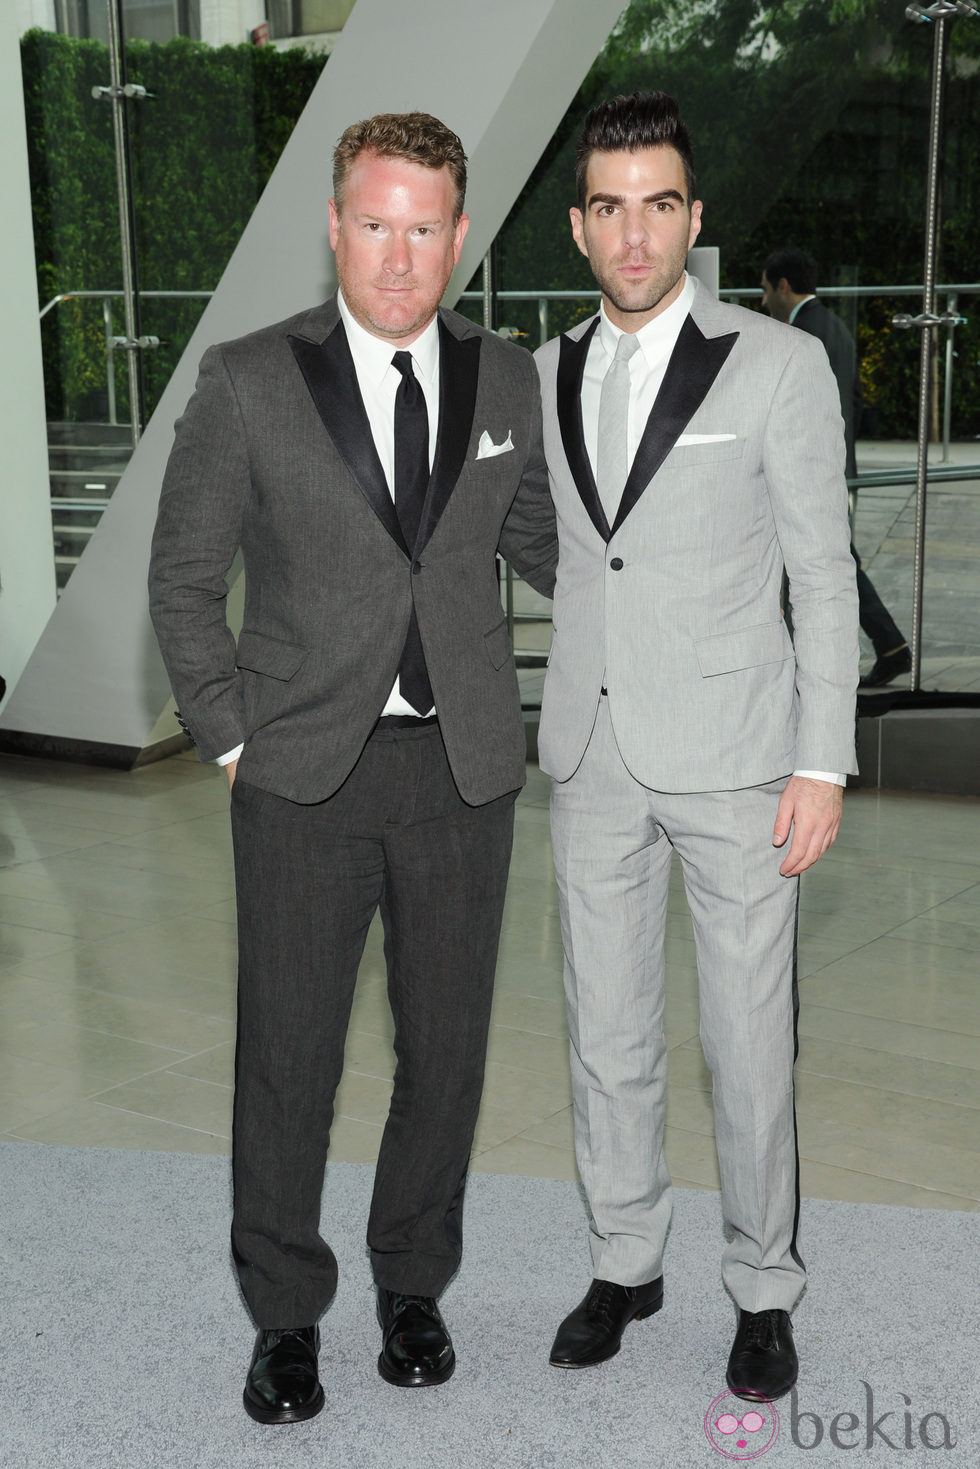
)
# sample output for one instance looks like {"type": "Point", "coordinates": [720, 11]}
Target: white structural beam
{"type": "Point", "coordinates": [27, 591]}
{"type": "Point", "coordinates": [501, 73]}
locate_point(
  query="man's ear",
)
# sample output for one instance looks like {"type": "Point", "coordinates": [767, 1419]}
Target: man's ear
{"type": "Point", "coordinates": [334, 214]}
{"type": "Point", "coordinates": [696, 208]}
{"type": "Point", "coordinates": [459, 235]}
{"type": "Point", "coordinates": [578, 230]}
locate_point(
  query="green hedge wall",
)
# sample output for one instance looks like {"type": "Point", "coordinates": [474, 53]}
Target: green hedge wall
{"type": "Point", "coordinates": [204, 146]}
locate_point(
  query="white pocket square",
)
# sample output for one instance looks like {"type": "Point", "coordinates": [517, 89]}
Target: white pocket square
{"type": "Point", "coordinates": [487, 448]}
{"type": "Point", "coordinates": [686, 439]}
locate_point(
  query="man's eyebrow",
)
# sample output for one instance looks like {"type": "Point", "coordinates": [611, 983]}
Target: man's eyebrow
{"type": "Point", "coordinates": [647, 198]}
{"type": "Point", "coordinates": [664, 194]}
{"type": "Point", "coordinates": [365, 217]}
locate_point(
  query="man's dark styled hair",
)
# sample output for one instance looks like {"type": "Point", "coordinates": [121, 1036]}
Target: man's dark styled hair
{"type": "Point", "coordinates": [626, 124]}
{"type": "Point", "coordinates": [415, 136]}
{"type": "Point", "coordinates": [796, 267]}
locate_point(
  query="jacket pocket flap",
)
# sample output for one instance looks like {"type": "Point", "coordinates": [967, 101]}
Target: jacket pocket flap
{"type": "Point", "coordinates": [768, 642]}
{"type": "Point", "coordinates": [261, 654]}
{"type": "Point", "coordinates": [498, 644]}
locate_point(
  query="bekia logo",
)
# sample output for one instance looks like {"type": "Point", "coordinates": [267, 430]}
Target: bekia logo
{"type": "Point", "coordinates": [744, 1431]}
{"type": "Point", "coordinates": [896, 1428]}
{"type": "Point", "coordinates": [741, 1430]}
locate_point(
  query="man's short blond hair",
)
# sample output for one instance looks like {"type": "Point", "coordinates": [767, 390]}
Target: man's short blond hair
{"type": "Point", "coordinates": [415, 136]}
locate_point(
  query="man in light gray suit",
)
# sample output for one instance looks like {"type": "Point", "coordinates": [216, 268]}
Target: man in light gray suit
{"type": "Point", "coordinates": [695, 450]}
{"type": "Point", "coordinates": [369, 458]}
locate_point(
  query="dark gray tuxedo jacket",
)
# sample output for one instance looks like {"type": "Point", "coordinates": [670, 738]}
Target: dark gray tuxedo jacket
{"type": "Point", "coordinates": [274, 456]}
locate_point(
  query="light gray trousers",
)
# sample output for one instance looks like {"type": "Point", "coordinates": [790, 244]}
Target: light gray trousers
{"type": "Point", "coordinates": [613, 839]}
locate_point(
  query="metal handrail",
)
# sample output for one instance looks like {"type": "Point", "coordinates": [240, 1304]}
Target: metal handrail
{"type": "Point", "coordinates": [543, 298]}
{"type": "Point", "coordinates": [969, 288]}
{"type": "Point", "coordinates": [107, 297]}
{"type": "Point", "coordinates": [938, 473]}
{"type": "Point", "coordinates": [100, 295]}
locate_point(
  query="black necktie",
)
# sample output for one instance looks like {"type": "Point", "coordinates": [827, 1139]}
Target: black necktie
{"type": "Point", "coordinates": [411, 484]}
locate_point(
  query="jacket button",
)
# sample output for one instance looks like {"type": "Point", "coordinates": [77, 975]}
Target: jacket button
{"type": "Point", "coordinates": [616, 563]}
{"type": "Point", "coordinates": [416, 567]}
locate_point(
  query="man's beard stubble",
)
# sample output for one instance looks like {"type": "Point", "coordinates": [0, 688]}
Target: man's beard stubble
{"type": "Point", "coordinates": [654, 289]}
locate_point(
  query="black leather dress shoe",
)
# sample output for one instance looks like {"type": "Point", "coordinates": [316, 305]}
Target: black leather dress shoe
{"type": "Point", "coordinates": [594, 1330]}
{"type": "Point", "coordinates": [283, 1383]}
{"type": "Point", "coordinates": [416, 1348]}
{"type": "Point", "coordinates": [763, 1362]}
{"type": "Point", "coordinates": [886, 667]}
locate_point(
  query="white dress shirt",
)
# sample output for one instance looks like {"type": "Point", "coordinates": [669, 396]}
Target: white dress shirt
{"type": "Point", "coordinates": [378, 382]}
{"type": "Point", "coordinates": [646, 368]}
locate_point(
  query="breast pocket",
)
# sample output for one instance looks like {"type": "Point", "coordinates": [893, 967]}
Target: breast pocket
{"type": "Point", "coordinates": [722, 451]}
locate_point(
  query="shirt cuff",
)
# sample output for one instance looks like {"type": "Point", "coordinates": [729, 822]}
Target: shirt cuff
{"type": "Point", "coordinates": [837, 780]}
{"type": "Point", "coordinates": [234, 754]}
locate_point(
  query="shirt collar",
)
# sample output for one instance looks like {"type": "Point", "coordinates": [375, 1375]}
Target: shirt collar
{"type": "Point", "coordinates": [792, 315]}
{"type": "Point", "coordinates": [372, 355]}
{"type": "Point", "coordinates": [661, 331]}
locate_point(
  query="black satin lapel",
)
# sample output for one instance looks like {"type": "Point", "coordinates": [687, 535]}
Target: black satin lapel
{"type": "Point", "coordinates": [694, 364]}
{"type": "Point", "coordinates": [459, 371]}
{"type": "Point", "coordinates": [571, 367]}
{"type": "Point", "coordinates": [332, 380]}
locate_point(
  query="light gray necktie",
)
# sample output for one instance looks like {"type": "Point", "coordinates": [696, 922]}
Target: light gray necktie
{"type": "Point", "coordinates": [612, 459]}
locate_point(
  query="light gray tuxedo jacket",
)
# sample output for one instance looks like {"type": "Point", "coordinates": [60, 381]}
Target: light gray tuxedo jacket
{"type": "Point", "coordinates": [274, 456]}
{"type": "Point", "coordinates": [676, 606]}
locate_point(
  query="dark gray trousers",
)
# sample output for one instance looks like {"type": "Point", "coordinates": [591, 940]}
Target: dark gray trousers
{"type": "Point", "coordinates": [396, 835]}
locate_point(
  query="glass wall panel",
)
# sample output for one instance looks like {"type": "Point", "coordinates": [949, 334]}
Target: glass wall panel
{"type": "Point", "coordinates": [306, 17]}
{"type": "Point", "coordinates": [145, 20]}
{"type": "Point", "coordinates": [203, 144]}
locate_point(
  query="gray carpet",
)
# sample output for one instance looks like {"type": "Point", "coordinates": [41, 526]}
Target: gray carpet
{"type": "Point", "coordinates": [124, 1342]}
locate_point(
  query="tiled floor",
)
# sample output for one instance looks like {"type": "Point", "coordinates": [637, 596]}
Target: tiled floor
{"type": "Point", "coordinates": [117, 957]}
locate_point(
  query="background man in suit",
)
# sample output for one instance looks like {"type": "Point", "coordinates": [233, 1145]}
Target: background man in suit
{"type": "Point", "coordinates": [789, 283]}
{"type": "Point", "coordinates": [694, 449]}
{"type": "Point", "coordinates": [370, 718]}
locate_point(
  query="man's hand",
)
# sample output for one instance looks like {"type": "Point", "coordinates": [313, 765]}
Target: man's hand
{"type": "Point", "coordinates": [813, 809]}
{"type": "Point", "coordinates": [232, 766]}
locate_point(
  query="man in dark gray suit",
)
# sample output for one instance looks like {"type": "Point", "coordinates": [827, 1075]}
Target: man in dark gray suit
{"type": "Point", "coordinates": [789, 283]}
{"type": "Point", "coordinates": [369, 458]}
